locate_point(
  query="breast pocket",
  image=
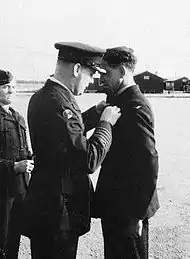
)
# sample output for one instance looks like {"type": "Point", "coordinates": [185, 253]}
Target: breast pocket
{"type": "Point", "coordinates": [10, 143]}
{"type": "Point", "coordinates": [11, 137]}
{"type": "Point", "coordinates": [23, 134]}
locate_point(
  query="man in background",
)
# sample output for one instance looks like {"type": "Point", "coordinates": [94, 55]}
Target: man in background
{"type": "Point", "coordinates": [125, 196]}
{"type": "Point", "coordinates": [15, 168]}
{"type": "Point", "coordinates": [57, 207]}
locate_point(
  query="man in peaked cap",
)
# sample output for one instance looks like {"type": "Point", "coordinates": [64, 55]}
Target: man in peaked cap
{"type": "Point", "coordinates": [15, 167]}
{"type": "Point", "coordinates": [57, 205]}
{"type": "Point", "coordinates": [125, 196]}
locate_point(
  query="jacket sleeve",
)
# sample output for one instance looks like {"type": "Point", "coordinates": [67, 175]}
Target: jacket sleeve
{"type": "Point", "coordinates": [90, 118]}
{"type": "Point", "coordinates": [7, 172]}
{"type": "Point", "coordinates": [58, 135]}
{"type": "Point", "coordinates": [143, 158]}
{"type": "Point", "coordinates": [27, 153]}
{"type": "Point", "coordinates": [86, 154]}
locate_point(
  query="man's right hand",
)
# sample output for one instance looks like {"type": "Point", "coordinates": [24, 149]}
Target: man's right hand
{"type": "Point", "coordinates": [111, 114]}
{"type": "Point", "coordinates": [24, 166]}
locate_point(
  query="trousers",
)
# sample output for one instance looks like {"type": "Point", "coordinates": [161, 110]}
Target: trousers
{"type": "Point", "coordinates": [13, 228]}
{"type": "Point", "coordinates": [47, 247]}
{"type": "Point", "coordinates": [120, 243]}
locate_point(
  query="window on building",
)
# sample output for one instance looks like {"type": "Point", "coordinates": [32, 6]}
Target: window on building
{"type": "Point", "coordinates": [146, 77]}
{"type": "Point", "coordinates": [170, 84]}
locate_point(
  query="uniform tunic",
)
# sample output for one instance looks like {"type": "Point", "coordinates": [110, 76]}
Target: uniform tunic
{"type": "Point", "coordinates": [126, 187]}
{"type": "Point", "coordinates": [13, 148]}
{"type": "Point", "coordinates": [128, 176]}
{"type": "Point", "coordinates": [60, 189]}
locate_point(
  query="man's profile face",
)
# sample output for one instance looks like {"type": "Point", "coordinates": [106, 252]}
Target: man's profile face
{"type": "Point", "coordinates": [110, 81]}
{"type": "Point", "coordinates": [84, 79]}
{"type": "Point", "coordinates": [7, 92]}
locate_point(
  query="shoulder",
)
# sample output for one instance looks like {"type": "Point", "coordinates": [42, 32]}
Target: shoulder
{"type": "Point", "coordinates": [139, 102]}
{"type": "Point", "coordinates": [138, 110]}
{"type": "Point", "coordinates": [51, 95]}
{"type": "Point", "coordinates": [20, 119]}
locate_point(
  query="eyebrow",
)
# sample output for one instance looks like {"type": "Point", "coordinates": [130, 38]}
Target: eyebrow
{"type": "Point", "coordinates": [8, 85]}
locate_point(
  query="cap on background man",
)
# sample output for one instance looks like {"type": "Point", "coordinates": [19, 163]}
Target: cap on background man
{"type": "Point", "coordinates": [77, 52]}
{"type": "Point", "coordinates": [5, 77]}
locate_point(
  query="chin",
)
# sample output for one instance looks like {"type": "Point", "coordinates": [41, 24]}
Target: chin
{"type": "Point", "coordinates": [106, 90]}
{"type": "Point", "coordinates": [8, 102]}
{"type": "Point", "coordinates": [77, 94]}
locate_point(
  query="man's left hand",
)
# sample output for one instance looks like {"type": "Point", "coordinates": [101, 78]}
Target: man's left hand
{"type": "Point", "coordinates": [101, 106]}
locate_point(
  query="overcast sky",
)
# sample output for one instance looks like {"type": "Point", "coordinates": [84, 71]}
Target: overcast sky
{"type": "Point", "coordinates": [158, 31]}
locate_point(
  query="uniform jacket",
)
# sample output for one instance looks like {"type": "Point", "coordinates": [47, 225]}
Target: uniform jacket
{"type": "Point", "coordinates": [127, 182]}
{"type": "Point", "coordinates": [60, 189]}
{"type": "Point", "coordinates": [13, 147]}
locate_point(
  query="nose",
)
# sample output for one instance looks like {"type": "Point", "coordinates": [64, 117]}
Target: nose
{"type": "Point", "coordinates": [11, 89]}
{"type": "Point", "coordinates": [101, 79]}
{"type": "Point", "coordinates": [91, 80]}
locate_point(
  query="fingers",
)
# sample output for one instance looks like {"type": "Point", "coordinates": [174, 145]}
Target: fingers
{"type": "Point", "coordinates": [29, 164]}
{"type": "Point", "coordinates": [111, 114]}
{"type": "Point", "coordinates": [101, 106]}
{"type": "Point", "coordinates": [24, 166]}
{"type": "Point", "coordinates": [102, 103]}
{"type": "Point", "coordinates": [30, 161]}
{"type": "Point", "coordinates": [116, 108]}
{"type": "Point", "coordinates": [140, 227]}
{"type": "Point", "coordinates": [29, 169]}
{"type": "Point", "coordinates": [113, 108]}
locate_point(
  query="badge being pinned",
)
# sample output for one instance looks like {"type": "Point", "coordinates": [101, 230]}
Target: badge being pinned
{"type": "Point", "coordinates": [67, 114]}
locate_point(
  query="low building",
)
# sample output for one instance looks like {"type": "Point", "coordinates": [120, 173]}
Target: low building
{"type": "Point", "coordinates": [177, 84]}
{"type": "Point", "coordinates": [29, 85]}
{"type": "Point", "coordinates": [93, 87]}
{"type": "Point", "coordinates": [149, 82]}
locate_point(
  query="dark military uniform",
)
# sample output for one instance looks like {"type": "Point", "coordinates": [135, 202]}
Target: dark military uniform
{"type": "Point", "coordinates": [126, 188]}
{"type": "Point", "coordinates": [58, 202]}
{"type": "Point", "coordinates": [13, 148]}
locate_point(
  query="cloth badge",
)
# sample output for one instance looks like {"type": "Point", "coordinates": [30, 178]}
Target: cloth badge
{"type": "Point", "coordinates": [137, 107]}
{"type": "Point", "coordinates": [67, 114]}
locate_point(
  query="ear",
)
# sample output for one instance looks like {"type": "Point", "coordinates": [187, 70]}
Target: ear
{"type": "Point", "coordinates": [76, 69]}
{"type": "Point", "coordinates": [123, 71]}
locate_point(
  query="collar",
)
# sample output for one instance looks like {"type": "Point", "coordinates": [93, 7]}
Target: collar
{"type": "Point", "coordinates": [6, 108]}
{"type": "Point", "coordinates": [8, 113]}
{"type": "Point", "coordinates": [123, 89]}
{"type": "Point", "coordinates": [52, 78]}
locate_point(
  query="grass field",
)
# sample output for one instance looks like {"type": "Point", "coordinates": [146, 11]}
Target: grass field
{"type": "Point", "coordinates": [170, 227]}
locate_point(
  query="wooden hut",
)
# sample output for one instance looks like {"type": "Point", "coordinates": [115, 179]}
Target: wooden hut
{"type": "Point", "coordinates": [149, 82]}
{"type": "Point", "coordinates": [177, 84]}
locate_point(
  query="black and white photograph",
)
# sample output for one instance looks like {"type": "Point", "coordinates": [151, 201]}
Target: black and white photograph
{"type": "Point", "coordinates": [94, 129]}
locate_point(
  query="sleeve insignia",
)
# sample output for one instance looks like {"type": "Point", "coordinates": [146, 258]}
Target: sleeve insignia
{"type": "Point", "coordinates": [67, 114]}
{"type": "Point", "coordinates": [137, 107]}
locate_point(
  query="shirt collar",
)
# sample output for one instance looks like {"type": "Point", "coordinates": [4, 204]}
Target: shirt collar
{"type": "Point", "coordinates": [123, 89]}
{"type": "Point", "coordinates": [6, 109]}
{"type": "Point", "coordinates": [52, 78]}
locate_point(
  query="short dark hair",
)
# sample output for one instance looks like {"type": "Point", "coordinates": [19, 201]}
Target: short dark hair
{"type": "Point", "coordinates": [120, 56]}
